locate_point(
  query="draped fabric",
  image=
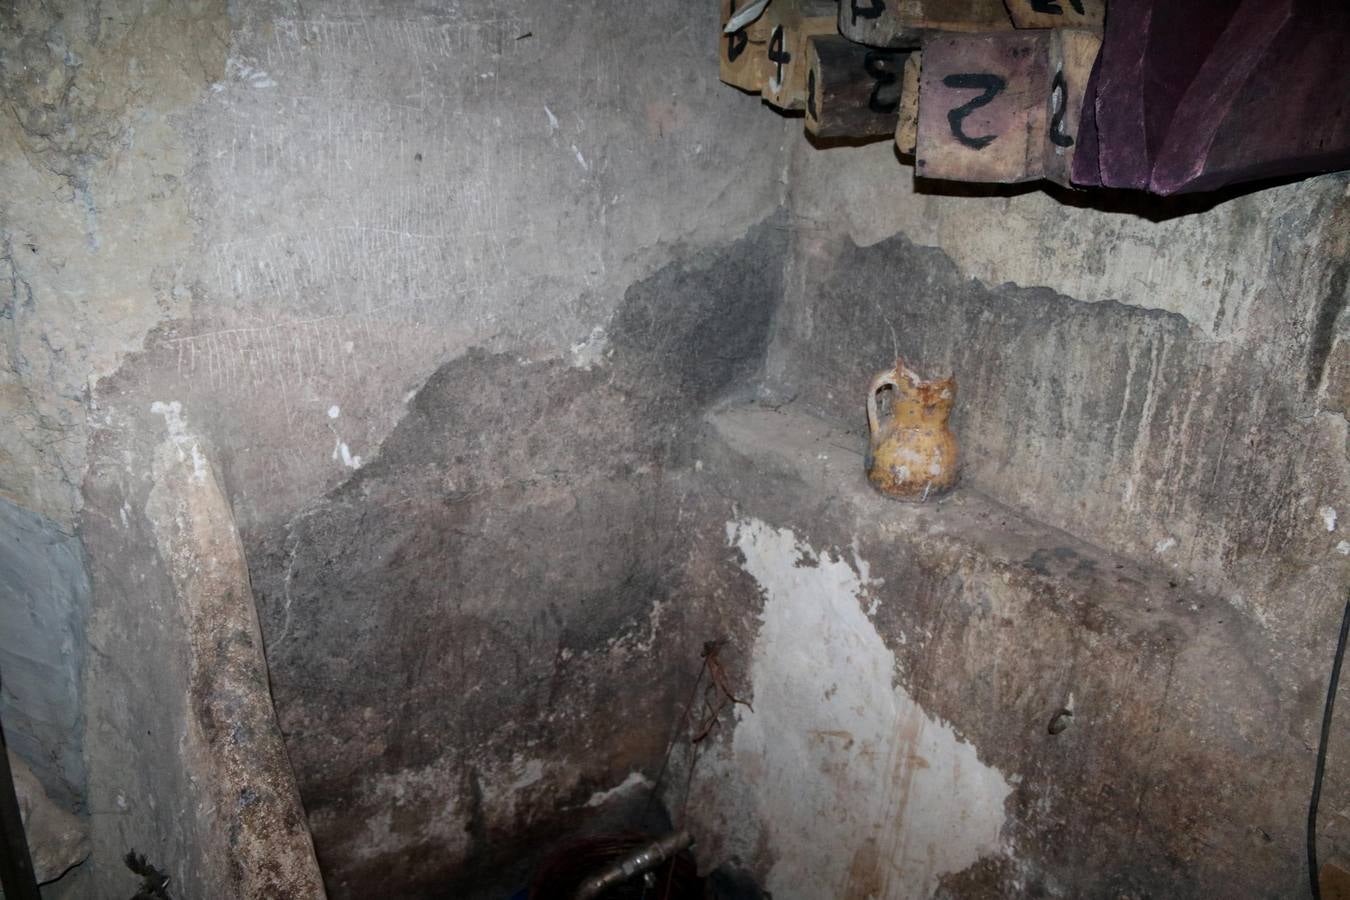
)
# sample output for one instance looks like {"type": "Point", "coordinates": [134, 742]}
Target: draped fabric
{"type": "Point", "coordinates": [1191, 95]}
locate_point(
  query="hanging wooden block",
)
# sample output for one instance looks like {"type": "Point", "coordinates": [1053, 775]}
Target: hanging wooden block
{"type": "Point", "coordinates": [903, 23]}
{"type": "Point", "coordinates": [907, 125]}
{"type": "Point", "coordinates": [1072, 53]}
{"type": "Point", "coordinates": [790, 25]}
{"type": "Point", "coordinates": [852, 91]}
{"type": "Point", "coordinates": [1002, 107]}
{"type": "Point", "coordinates": [1193, 97]}
{"type": "Point", "coordinates": [1086, 14]}
{"type": "Point", "coordinates": [742, 62]}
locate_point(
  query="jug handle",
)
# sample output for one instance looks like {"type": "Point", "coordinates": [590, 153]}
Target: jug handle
{"type": "Point", "coordinates": [883, 379]}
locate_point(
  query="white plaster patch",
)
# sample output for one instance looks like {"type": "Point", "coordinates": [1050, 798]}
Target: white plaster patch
{"type": "Point", "coordinates": [1164, 545]}
{"type": "Point", "coordinates": [591, 352]}
{"type": "Point", "coordinates": [247, 74]}
{"type": "Point", "coordinates": [634, 781]}
{"type": "Point", "coordinates": [1240, 603]}
{"type": "Point", "coordinates": [1343, 548]}
{"type": "Point", "coordinates": [530, 772]}
{"type": "Point", "coordinates": [581, 160]}
{"type": "Point", "coordinates": [343, 452]}
{"type": "Point", "coordinates": [1328, 514]}
{"type": "Point", "coordinates": [183, 440]}
{"type": "Point", "coordinates": [552, 119]}
{"type": "Point", "coordinates": [863, 793]}
{"type": "Point", "coordinates": [334, 411]}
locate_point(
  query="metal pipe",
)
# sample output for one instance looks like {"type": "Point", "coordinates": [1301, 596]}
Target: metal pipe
{"type": "Point", "coordinates": [643, 859]}
{"type": "Point", "coordinates": [16, 865]}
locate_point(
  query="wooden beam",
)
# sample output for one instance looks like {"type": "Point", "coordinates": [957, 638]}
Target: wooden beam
{"type": "Point", "coordinates": [742, 63]}
{"type": "Point", "coordinates": [907, 126]}
{"type": "Point", "coordinates": [852, 91]}
{"type": "Point", "coordinates": [903, 23]}
{"type": "Point", "coordinates": [790, 25]}
{"type": "Point", "coordinates": [1085, 14]}
{"type": "Point", "coordinates": [1002, 107]}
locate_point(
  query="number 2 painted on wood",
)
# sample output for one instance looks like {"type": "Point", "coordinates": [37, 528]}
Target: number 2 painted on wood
{"type": "Point", "coordinates": [1059, 95]}
{"type": "Point", "coordinates": [778, 56]}
{"type": "Point", "coordinates": [991, 85]}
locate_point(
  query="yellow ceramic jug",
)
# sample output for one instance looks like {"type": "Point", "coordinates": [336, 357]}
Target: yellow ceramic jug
{"type": "Point", "coordinates": [912, 454]}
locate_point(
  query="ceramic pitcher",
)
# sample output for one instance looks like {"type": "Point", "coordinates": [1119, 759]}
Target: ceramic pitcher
{"type": "Point", "coordinates": [912, 453]}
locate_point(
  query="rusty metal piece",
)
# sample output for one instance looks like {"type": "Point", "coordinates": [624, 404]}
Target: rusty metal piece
{"type": "Point", "coordinates": [644, 859]}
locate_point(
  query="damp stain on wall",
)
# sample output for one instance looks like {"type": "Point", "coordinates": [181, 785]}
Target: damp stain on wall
{"type": "Point", "coordinates": [863, 793]}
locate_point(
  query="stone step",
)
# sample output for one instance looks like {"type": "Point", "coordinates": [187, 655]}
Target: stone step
{"type": "Point", "coordinates": [982, 705]}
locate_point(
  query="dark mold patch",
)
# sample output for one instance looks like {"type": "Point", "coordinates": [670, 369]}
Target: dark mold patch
{"type": "Point", "coordinates": [467, 598]}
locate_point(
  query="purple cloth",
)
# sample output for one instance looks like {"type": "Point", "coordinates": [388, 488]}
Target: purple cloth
{"type": "Point", "coordinates": [1190, 95]}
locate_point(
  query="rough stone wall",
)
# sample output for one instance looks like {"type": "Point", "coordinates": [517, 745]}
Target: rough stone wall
{"type": "Point", "coordinates": [1159, 379]}
{"type": "Point", "coordinates": [44, 600]}
{"type": "Point", "coordinates": [905, 663]}
{"type": "Point", "coordinates": [482, 628]}
{"type": "Point", "coordinates": [186, 762]}
{"type": "Point", "coordinates": [443, 289]}
{"type": "Point", "coordinates": [288, 218]}
{"type": "Point", "coordinates": [96, 235]}
{"type": "Point", "coordinates": [1182, 406]}
{"type": "Point", "coordinates": [1213, 459]}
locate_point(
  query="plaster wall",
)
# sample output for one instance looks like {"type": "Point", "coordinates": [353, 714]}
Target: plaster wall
{"type": "Point", "coordinates": [445, 291]}
{"type": "Point", "coordinates": [283, 220]}
{"type": "Point", "coordinates": [1156, 378]}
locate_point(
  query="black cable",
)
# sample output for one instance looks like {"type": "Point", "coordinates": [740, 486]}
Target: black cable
{"type": "Point", "coordinates": [1322, 753]}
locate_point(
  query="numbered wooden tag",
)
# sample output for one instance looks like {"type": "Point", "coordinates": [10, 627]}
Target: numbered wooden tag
{"type": "Point", "coordinates": [903, 23]}
{"type": "Point", "coordinates": [790, 26]}
{"type": "Point", "coordinates": [742, 61]}
{"type": "Point", "coordinates": [1072, 53]}
{"type": "Point", "coordinates": [1002, 107]}
{"type": "Point", "coordinates": [1086, 14]}
{"type": "Point", "coordinates": [907, 125]}
{"type": "Point", "coordinates": [852, 91]}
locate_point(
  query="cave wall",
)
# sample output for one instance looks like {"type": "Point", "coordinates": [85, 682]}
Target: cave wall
{"type": "Point", "coordinates": [314, 230]}
{"type": "Point", "coordinates": [483, 629]}
{"type": "Point", "coordinates": [450, 300]}
{"type": "Point", "coordinates": [1164, 376]}
{"type": "Point", "coordinates": [1149, 533]}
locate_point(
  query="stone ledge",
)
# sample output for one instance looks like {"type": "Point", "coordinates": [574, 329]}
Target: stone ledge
{"type": "Point", "coordinates": [1182, 773]}
{"type": "Point", "coordinates": [828, 462]}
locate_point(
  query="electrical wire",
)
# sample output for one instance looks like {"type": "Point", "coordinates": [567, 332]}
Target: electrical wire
{"type": "Point", "coordinates": [1322, 753]}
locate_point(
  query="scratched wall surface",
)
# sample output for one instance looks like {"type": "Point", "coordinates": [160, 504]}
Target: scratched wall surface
{"type": "Point", "coordinates": [381, 188]}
